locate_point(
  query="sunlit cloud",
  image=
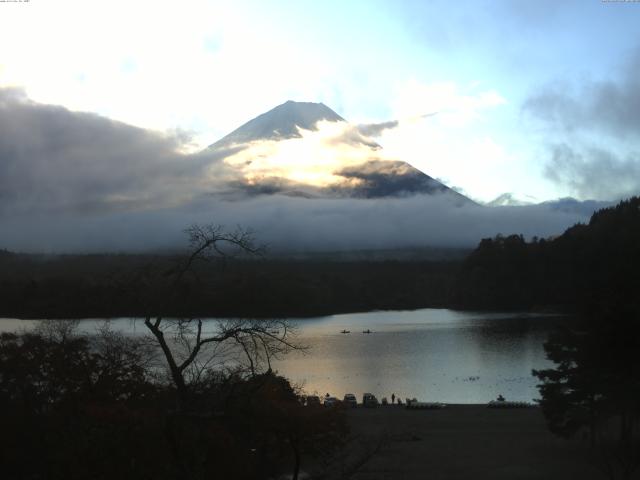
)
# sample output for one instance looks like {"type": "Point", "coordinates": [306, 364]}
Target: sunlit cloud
{"type": "Point", "coordinates": [440, 131]}
{"type": "Point", "coordinates": [455, 107]}
{"type": "Point", "coordinates": [314, 159]}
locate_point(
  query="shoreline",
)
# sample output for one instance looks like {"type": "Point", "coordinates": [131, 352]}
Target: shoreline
{"type": "Point", "coordinates": [543, 312]}
{"type": "Point", "coordinates": [463, 441]}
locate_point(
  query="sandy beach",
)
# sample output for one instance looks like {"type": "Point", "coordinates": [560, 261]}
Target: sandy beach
{"type": "Point", "coordinates": [461, 442]}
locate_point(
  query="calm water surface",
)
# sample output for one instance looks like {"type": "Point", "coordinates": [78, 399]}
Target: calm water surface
{"type": "Point", "coordinates": [432, 354]}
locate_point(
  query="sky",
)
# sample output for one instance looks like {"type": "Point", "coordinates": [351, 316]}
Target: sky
{"type": "Point", "coordinates": [537, 98]}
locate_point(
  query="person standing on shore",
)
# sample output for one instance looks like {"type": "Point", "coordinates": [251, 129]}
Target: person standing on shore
{"type": "Point", "coordinates": [393, 398]}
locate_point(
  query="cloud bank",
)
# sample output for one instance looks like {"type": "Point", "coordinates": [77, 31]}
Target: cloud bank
{"type": "Point", "coordinates": [287, 223]}
{"type": "Point", "coordinates": [74, 182]}
{"type": "Point", "coordinates": [593, 172]}
{"type": "Point", "coordinates": [55, 160]}
{"type": "Point", "coordinates": [611, 106]}
{"type": "Point", "coordinates": [594, 130]}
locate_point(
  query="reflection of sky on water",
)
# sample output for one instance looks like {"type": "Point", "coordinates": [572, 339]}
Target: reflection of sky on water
{"type": "Point", "coordinates": [431, 354]}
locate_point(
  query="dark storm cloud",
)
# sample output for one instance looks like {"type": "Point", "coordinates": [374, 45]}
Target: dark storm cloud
{"type": "Point", "coordinates": [54, 159]}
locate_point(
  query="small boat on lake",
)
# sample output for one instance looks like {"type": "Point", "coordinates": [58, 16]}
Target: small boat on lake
{"type": "Point", "coordinates": [345, 331]}
{"type": "Point", "coordinates": [366, 331]}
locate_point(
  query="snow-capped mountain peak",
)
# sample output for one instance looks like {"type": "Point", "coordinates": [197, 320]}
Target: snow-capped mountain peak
{"type": "Point", "coordinates": [512, 200]}
{"type": "Point", "coordinates": [281, 122]}
{"type": "Point", "coordinates": [307, 149]}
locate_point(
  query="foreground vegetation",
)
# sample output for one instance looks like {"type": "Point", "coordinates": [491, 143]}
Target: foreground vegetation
{"type": "Point", "coordinates": [181, 402]}
{"type": "Point", "coordinates": [102, 407]}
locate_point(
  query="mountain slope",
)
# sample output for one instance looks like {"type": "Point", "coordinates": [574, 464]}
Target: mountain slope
{"type": "Point", "coordinates": [288, 151]}
{"type": "Point", "coordinates": [281, 122]}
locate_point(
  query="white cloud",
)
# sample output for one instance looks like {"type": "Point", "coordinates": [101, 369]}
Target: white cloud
{"type": "Point", "coordinates": [314, 158]}
{"type": "Point", "coordinates": [454, 143]}
{"type": "Point", "coordinates": [199, 66]}
{"type": "Point", "coordinates": [455, 108]}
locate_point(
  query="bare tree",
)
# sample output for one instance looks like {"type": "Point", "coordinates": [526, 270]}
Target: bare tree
{"type": "Point", "coordinates": [258, 341]}
{"type": "Point", "coordinates": [58, 330]}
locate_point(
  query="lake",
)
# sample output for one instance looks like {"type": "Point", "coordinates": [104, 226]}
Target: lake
{"type": "Point", "coordinates": [431, 354]}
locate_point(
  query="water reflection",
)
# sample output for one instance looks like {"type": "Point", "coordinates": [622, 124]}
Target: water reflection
{"type": "Point", "coordinates": [432, 354]}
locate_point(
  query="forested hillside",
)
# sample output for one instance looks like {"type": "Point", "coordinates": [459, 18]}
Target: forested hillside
{"type": "Point", "coordinates": [79, 286]}
{"type": "Point", "coordinates": [585, 268]}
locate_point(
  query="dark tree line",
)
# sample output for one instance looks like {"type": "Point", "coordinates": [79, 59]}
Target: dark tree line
{"type": "Point", "coordinates": [589, 267]}
{"type": "Point", "coordinates": [81, 286]}
{"type": "Point", "coordinates": [593, 272]}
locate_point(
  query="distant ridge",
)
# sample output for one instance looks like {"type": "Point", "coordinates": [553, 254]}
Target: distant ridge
{"type": "Point", "coordinates": [566, 204]}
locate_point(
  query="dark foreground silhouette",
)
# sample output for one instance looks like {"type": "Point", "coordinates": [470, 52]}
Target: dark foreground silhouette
{"type": "Point", "coordinates": [76, 407]}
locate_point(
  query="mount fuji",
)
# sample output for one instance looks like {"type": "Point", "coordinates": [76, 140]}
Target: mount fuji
{"type": "Point", "coordinates": [307, 149]}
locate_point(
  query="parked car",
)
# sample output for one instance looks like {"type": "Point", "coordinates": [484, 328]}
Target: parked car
{"type": "Point", "coordinates": [369, 400]}
{"type": "Point", "coordinates": [313, 401]}
{"type": "Point", "coordinates": [350, 400]}
{"type": "Point", "coordinates": [330, 401]}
